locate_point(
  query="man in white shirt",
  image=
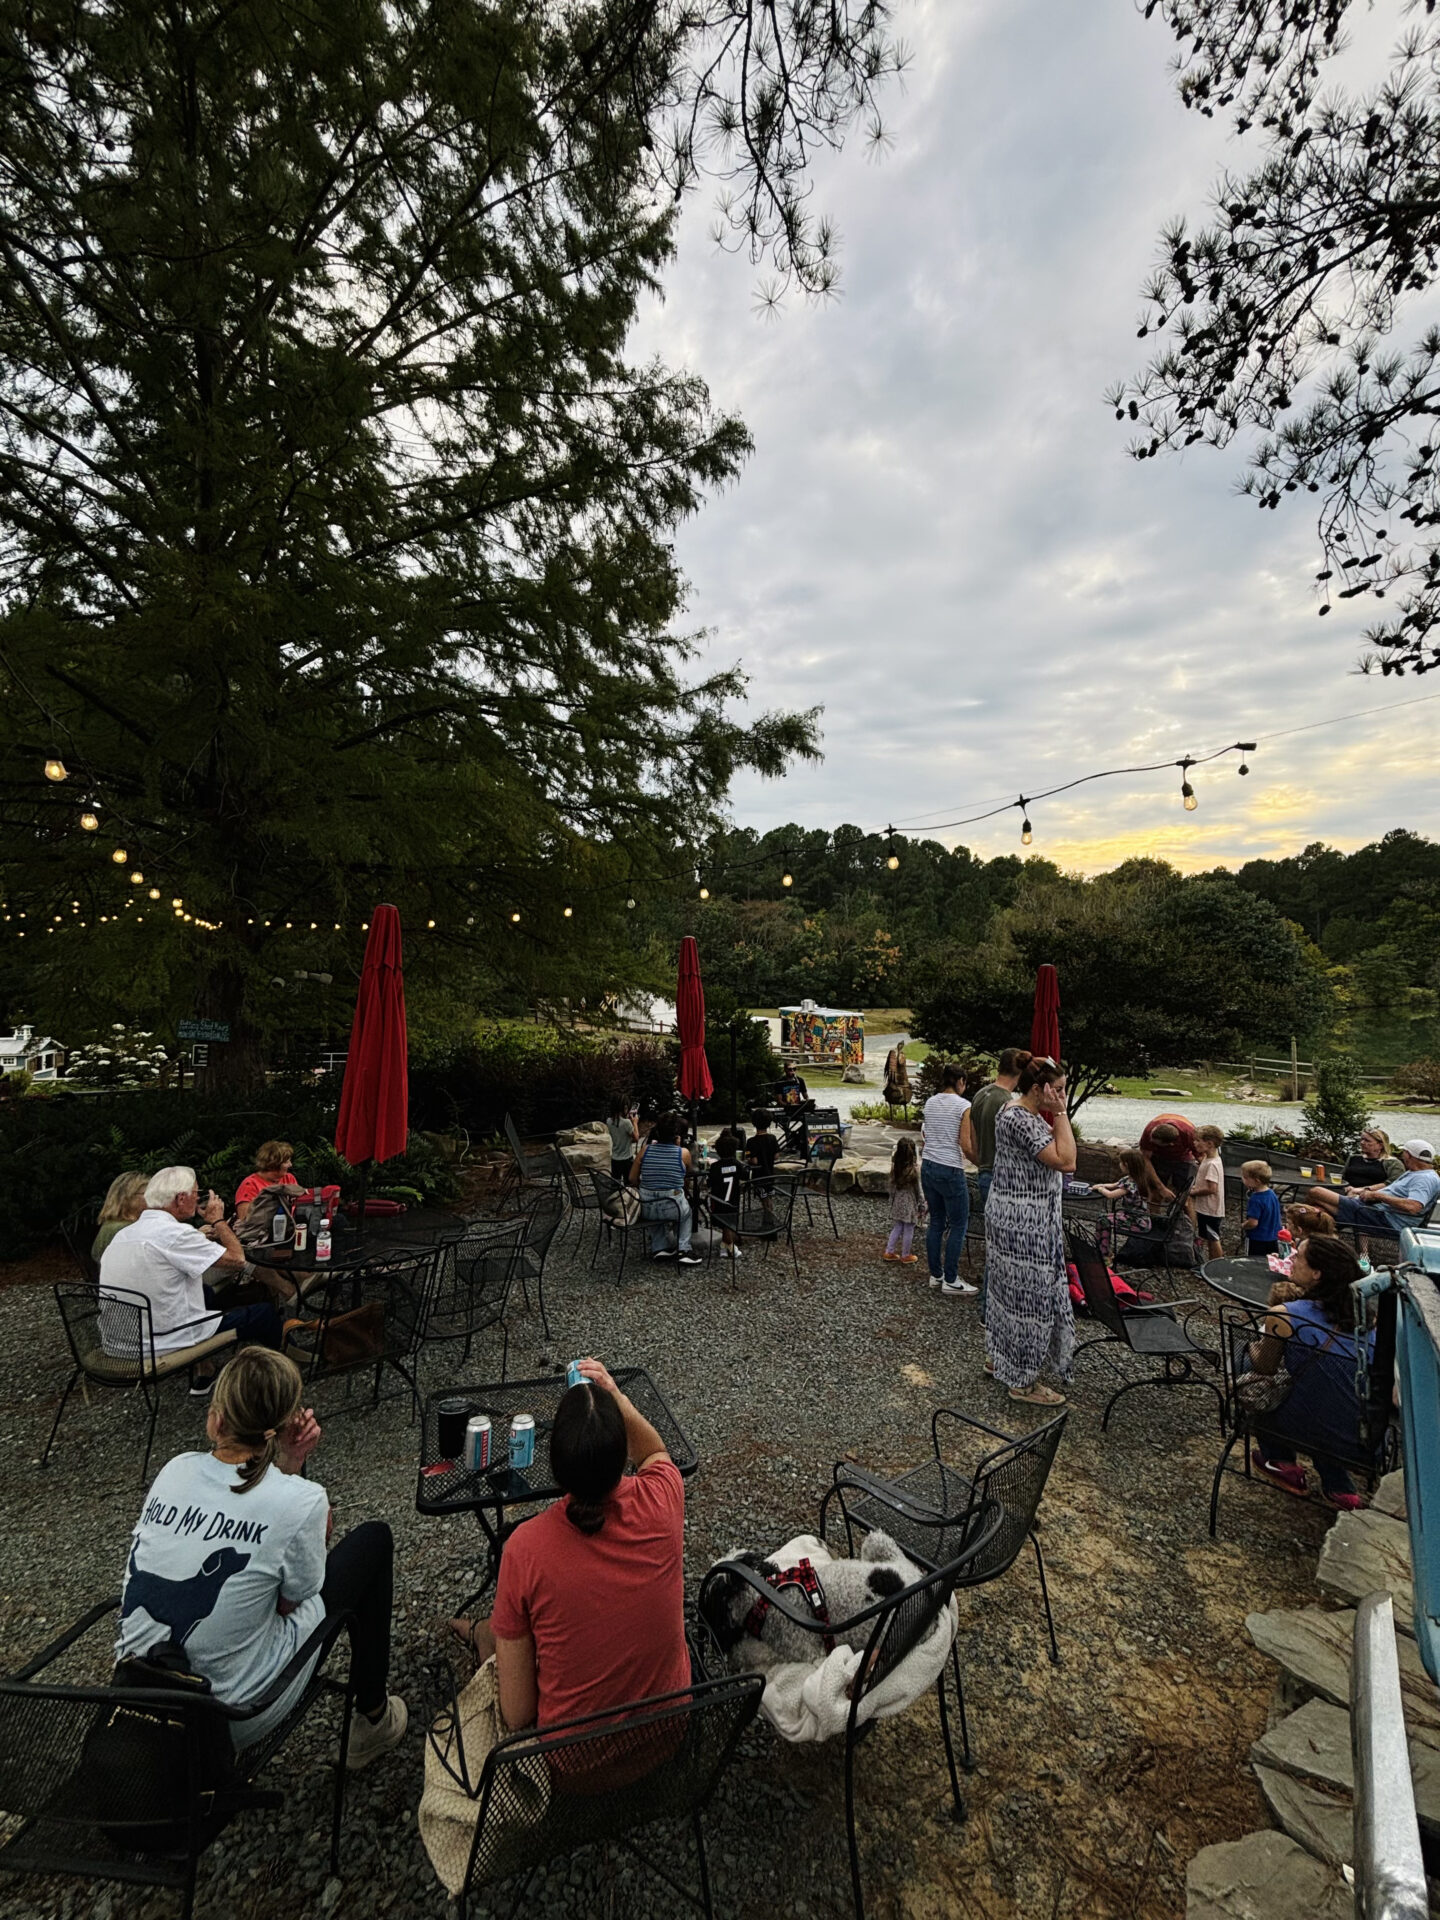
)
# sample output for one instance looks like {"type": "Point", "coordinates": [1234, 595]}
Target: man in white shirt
{"type": "Point", "coordinates": [942, 1179]}
{"type": "Point", "coordinates": [162, 1256]}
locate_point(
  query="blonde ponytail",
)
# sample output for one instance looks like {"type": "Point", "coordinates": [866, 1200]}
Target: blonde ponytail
{"type": "Point", "coordinates": [256, 1397]}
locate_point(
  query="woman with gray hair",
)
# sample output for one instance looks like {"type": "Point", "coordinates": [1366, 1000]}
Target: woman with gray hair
{"type": "Point", "coordinates": [163, 1258]}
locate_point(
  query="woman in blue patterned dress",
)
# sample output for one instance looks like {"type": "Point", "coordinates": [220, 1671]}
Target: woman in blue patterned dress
{"type": "Point", "coordinates": [1029, 1323]}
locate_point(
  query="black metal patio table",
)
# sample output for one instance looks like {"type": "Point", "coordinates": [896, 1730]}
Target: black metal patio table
{"type": "Point", "coordinates": [1247, 1280]}
{"type": "Point", "coordinates": [448, 1486]}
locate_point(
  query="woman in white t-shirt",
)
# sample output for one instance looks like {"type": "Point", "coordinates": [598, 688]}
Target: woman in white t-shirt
{"type": "Point", "coordinates": [942, 1178]}
{"type": "Point", "coordinates": [228, 1560]}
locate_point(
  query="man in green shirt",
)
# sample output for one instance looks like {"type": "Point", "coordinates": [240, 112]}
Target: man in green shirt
{"type": "Point", "coordinates": [977, 1130]}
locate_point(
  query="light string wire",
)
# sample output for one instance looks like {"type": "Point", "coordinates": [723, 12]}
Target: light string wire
{"type": "Point", "coordinates": [988, 812]}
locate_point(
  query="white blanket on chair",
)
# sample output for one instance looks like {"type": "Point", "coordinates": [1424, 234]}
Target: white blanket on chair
{"type": "Point", "coordinates": [810, 1700]}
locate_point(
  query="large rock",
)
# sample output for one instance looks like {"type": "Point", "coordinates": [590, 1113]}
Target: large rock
{"type": "Point", "coordinates": [1265, 1876]}
{"type": "Point", "coordinates": [842, 1176]}
{"type": "Point", "coordinates": [873, 1177]}
{"type": "Point", "coordinates": [1320, 1819]}
{"type": "Point", "coordinates": [588, 1153]}
{"type": "Point", "coordinates": [1316, 1648]}
{"type": "Point", "coordinates": [1369, 1553]}
{"type": "Point", "coordinates": [1313, 1743]}
{"type": "Point", "coordinates": [1390, 1495]}
{"type": "Point", "coordinates": [1096, 1161]}
{"type": "Point", "coordinates": [586, 1135]}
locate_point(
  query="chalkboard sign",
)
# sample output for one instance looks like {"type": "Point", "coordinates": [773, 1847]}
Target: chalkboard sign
{"type": "Point", "coordinates": [216, 1030]}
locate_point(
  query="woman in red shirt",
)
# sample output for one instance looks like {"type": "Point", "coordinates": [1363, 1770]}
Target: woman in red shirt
{"type": "Point", "coordinates": [590, 1600]}
{"type": "Point", "coordinates": [272, 1169]}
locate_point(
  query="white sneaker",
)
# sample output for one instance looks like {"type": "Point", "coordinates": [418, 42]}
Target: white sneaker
{"type": "Point", "coordinates": [935, 1281]}
{"type": "Point", "coordinates": [961, 1290]}
{"type": "Point", "coordinates": [370, 1738]}
{"type": "Point", "coordinates": [734, 1253]}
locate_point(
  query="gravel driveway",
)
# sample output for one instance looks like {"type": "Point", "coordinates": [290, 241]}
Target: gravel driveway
{"type": "Point", "coordinates": [1096, 1780]}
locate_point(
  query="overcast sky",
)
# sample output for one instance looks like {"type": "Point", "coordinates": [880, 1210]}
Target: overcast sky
{"type": "Point", "coordinates": [939, 538]}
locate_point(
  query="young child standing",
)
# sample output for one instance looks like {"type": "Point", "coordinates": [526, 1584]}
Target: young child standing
{"type": "Point", "coordinates": [1261, 1224]}
{"type": "Point", "coordinates": [1207, 1190]}
{"type": "Point", "coordinates": [724, 1183]}
{"type": "Point", "coordinates": [624, 1139]}
{"type": "Point", "coordinates": [907, 1203]}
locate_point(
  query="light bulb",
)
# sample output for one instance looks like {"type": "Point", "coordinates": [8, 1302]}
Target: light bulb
{"type": "Point", "coordinates": [56, 770]}
{"type": "Point", "coordinates": [1187, 794]}
{"type": "Point", "coordinates": [90, 823]}
{"type": "Point", "coordinates": [787, 879]}
{"type": "Point", "coordinates": [137, 879]}
{"type": "Point", "coordinates": [120, 856]}
{"type": "Point", "coordinates": [514, 919]}
{"type": "Point", "coordinates": [630, 903]}
{"type": "Point", "coordinates": [429, 923]}
{"type": "Point", "coordinates": [177, 902]}
{"type": "Point", "coordinates": [1026, 833]}
{"type": "Point", "coordinates": [569, 913]}
{"type": "Point", "coordinates": [704, 893]}
{"type": "Point", "coordinates": [893, 862]}
{"type": "Point", "coordinates": [154, 893]}
{"type": "Point", "coordinates": [1243, 769]}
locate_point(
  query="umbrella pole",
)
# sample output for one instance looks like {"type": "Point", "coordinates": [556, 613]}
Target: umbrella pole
{"type": "Point", "coordinates": [734, 1089]}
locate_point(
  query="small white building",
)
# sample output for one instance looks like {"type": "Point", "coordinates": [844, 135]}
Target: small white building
{"type": "Point", "coordinates": [21, 1049]}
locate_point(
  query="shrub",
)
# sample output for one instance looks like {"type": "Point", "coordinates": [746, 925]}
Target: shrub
{"type": "Point", "coordinates": [62, 1153]}
{"type": "Point", "coordinates": [544, 1078]}
{"type": "Point", "coordinates": [1336, 1114]}
{"type": "Point", "coordinates": [979, 1069]}
{"type": "Point", "coordinates": [1421, 1078]}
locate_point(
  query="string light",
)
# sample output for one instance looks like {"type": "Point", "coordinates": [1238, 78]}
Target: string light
{"type": "Point", "coordinates": [1246, 746]}
{"type": "Point", "coordinates": [154, 893]}
{"type": "Point", "coordinates": [1187, 792]}
{"type": "Point", "coordinates": [120, 857]}
{"type": "Point", "coordinates": [787, 879]}
{"type": "Point", "coordinates": [137, 879]}
{"type": "Point", "coordinates": [178, 902]}
{"type": "Point", "coordinates": [56, 770]}
{"type": "Point", "coordinates": [515, 919]}
{"type": "Point", "coordinates": [89, 823]}
{"type": "Point", "coordinates": [630, 902]}
{"type": "Point", "coordinates": [569, 913]}
{"type": "Point", "coordinates": [892, 859]}
{"type": "Point", "coordinates": [1027, 832]}
{"type": "Point", "coordinates": [429, 923]}
{"type": "Point", "coordinates": [704, 893]}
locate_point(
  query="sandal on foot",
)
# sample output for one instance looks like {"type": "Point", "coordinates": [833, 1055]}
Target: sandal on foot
{"type": "Point", "coordinates": [1038, 1396]}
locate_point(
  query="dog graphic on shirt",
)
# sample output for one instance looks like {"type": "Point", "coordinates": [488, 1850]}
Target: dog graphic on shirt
{"type": "Point", "coordinates": [180, 1605]}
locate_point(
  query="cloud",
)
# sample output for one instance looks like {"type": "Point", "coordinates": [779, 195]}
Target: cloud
{"type": "Point", "coordinates": [939, 536]}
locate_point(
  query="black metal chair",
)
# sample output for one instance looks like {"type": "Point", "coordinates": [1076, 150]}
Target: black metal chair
{"type": "Point", "coordinates": [542, 1219]}
{"type": "Point", "coordinates": [580, 1198]}
{"type": "Point", "coordinates": [827, 1150]}
{"type": "Point", "coordinates": [527, 1170]}
{"type": "Point", "coordinates": [1149, 1248]}
{"type": "Point", "coordinates": [78, 1232]}
{"type": "Point", "coordinates": [1239, 1326]}
{"type": "Point", "coordinates": [1381, 1245]}
{"type": "Point", "coordinates": [599, 1779]}
{"type": "Point", "coordinates": [765, 1214]}
{"type": "Point", "coordinates": [930, 1509]}
{"type": "Point", "coordinates": [111, 1336]}
{"type": "Point", "coordinates": [471, 1287]}
{"type": "Point", "coordinates": [1152, 1331]}
{"type": "Point", "coordinates": [617, 1210]}
{"type": "Point", "coordinates": [897, 1624]}
{"type": "Point", "coordinates": [133, 1783]}
{"type": "Point", "coordinates": [364, 1320]}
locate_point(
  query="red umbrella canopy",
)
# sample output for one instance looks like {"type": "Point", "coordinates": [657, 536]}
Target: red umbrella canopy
{"type": "Point", "coordinates": [695, 1081]}
{"type": "Point", "coordinates": [375, 1099]}
{"type": "Point", "coordinates": [1045, 1024]}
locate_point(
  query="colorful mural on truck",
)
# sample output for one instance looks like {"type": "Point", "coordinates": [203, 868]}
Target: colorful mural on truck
{"type": "Point", "coordinates": [833, 1036]}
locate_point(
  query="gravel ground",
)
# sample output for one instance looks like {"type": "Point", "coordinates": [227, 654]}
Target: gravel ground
{"type": "Point", "coordinates": [1096, 1781]}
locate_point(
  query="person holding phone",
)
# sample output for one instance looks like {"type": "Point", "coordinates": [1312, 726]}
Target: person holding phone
{"type": "Point", "coordinates": [1029, 1320]}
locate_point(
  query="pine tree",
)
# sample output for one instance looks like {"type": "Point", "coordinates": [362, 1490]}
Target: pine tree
{"type": "Point", "coordinates": [335, 521]}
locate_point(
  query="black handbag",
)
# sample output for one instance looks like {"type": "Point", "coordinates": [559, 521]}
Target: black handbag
{"type": "Point", "coordinates": [140, 1760]}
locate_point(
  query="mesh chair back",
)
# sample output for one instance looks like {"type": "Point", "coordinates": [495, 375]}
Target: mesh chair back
{"type": "Point", "coordinates": [361, 1318]}
{"type": "Point", "coordinates": [109, 1333]}
{"type": "Point", "coordinates": [543, 1217]}
{"type": "Point", "coordinates": [79, 1233]}
{"type": "Point", "coordinates": [570, 1181]}
{"type": "Point", "coordinates": [605, 1776]}
{"type": "Point", "coordinates": [765, 1208]}
{"type": "Point", "coordinates": [472, 1281]}
{"type": "Point", "coordinates": [1014, 1478]}
{"type": "Point", "coordinates": [517, 1145]}
{"type": "Point", "coordinates": [1090, 1264]}
{"type": "Point", "coordinates": [619, 1203]}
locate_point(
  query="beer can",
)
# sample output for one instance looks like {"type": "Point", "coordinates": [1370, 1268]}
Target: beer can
{"type": "Point", "coordinates": [573, 1376]}
{"type": "Point", "coordinates": [522, 1442]}
{"type": "Point", "coordinates": [477, 1443]}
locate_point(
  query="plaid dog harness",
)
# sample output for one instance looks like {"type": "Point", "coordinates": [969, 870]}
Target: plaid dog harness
{"type": "Point", "coordinates": [803, 1576]}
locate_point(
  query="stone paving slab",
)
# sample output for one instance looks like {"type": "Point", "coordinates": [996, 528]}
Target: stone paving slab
{"type": "Point", "coordinates": [1265, 1876]}
{"type": "Point", "coordinates": [1316, 1648]}
{"type": "Point", "coordinates": [1313, 1743]}
{"type": "Point", "coordinates": [1320, 1819]}
{"type": "Point", "coordinates": [1368, 1552]}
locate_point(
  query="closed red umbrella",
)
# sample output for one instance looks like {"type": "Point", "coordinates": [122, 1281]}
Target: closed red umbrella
{"type": "Point", "coordinates": [1045, 1024]}
{"type": "Point", "coordinates": [695, 1081]}
{"type": "Point", "coordinates": [375, 1099]}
